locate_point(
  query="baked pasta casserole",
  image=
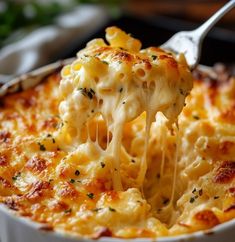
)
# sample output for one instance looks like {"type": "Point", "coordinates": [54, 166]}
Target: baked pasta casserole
{"type": "Point", "coordinates": [123, 142]}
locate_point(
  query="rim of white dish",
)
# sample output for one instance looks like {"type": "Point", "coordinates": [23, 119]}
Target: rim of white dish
{"type": "Point", "coordinates": [218, 229]}
{"type": "Point", "coordinates": [31, 79]}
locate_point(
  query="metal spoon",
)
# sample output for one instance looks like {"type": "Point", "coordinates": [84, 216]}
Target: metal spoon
{"type": "Point", "coordinates": [189, 42]}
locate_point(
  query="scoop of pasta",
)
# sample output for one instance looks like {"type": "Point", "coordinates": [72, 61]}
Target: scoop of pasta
{"type": "Point", "coordinates": [118, 82]}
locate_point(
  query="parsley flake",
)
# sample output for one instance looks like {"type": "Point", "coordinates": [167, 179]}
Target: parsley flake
{"type": "Point", "coordinates": [112, 209]}
{"type": "Point", "coordinates": [192, 200]}
{"type": "Point", "coordinates": [166, 201]}
{"type": "Point", "coordinates": [77, 173]}
{"type": "Point", "coordinates": [196, 117]}
{"type": "Point", "coordinates": [14, 178]}
{"type": "Point", "coordinates": [105, 62]}
{"type": "Point", "coordinates": [87, 92]}
{"type": "Point", "coordinates": [154, 57]}
{"type": "Point", "coordinates": [181, 91]}
{"type": "Point", "coordinates": [96, 209]}
{"type": "Point", "coordinates": [41, 147]}
{"type": "Point", "coordinates": [194, 190]}
{"type": "Point", "coordinates": [90, 195]}
{"type": "Point", "coordinates": [68, 211]}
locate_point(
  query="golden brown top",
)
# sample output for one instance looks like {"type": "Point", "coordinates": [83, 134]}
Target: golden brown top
{"type": "Point", "coordinates": [71, 189]}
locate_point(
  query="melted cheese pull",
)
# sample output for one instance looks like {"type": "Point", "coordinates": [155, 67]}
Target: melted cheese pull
{"type": "Point", "coordinates": [108, 162]}
{"type": "Point", "coordinates": [117, 82]}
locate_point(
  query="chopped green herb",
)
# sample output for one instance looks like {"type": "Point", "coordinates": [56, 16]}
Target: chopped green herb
{"type": "Point", "coordinates": [154, 57]}
{"type": "Point", "coordinates": [41, 147]}
{"type": "Point", "coordinates": [102, 164]}
{"type": "Point", "coordinates": [14, 178]}
{"type": "Point", "coordinates": [92, 91]}
{"type": "Point", "coordinates": [112, 209]}
{"type": "Point", "coordinates": [181, 91]}
{"type": "Point", "coordinates": [77, 173]}
{"type": "Point", "coordinates": [87, 92]}
{"type": "Point", "coordinates": [105, 62]}
{"type": "Point", "coordinates": [192, 200]}
{"type": "Point", "coordinates": [90, 195]}
{"type": "Point", "coordinates": [59, 125]}
{"type": "Point", "coordinates": [68, 211]}
{"type": "Point", "coordinates": [72, 180]}
{"type": "Point", "coordinates": [96, 209]}
{"type": "Point", "coordinates": [166, 201]}
{"type": "Point", "coordinates": [194, 190]}
{"type": "Point", "coordinates": [196, 117]}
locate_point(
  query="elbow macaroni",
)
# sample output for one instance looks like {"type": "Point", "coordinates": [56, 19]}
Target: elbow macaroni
{"type": "Point", "coordinates": [104, 149]}
{"type": "Point", "coordinates": [119, 82]}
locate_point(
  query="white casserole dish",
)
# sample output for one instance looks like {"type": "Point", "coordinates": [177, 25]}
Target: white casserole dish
{"type": "Point", "coordinates": [14, 228]}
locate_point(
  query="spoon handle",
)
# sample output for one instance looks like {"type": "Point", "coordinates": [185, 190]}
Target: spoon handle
{"type": "Point", "coordinates": [205, 27]}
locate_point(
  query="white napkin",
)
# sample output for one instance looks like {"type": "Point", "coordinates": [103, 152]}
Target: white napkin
{"type": "Point", "coordinates": [45, 43]}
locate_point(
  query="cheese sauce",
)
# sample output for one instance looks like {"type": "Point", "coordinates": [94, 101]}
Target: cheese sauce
{"type": "Point", "coordinates": [103, 149]}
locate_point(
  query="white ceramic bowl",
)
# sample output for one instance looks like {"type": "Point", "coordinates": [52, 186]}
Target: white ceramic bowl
{"type": "Point", "coordinates": [14, 228]}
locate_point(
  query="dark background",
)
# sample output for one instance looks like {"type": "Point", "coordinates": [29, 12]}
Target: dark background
{"type": "Point", "coordinates": [219, 45]}
{"type": "Point", "coordinates": [152, 21]}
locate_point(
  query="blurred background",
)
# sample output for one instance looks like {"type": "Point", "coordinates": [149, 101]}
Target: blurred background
{"type": "Point", "coordinates": [37, 32]}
